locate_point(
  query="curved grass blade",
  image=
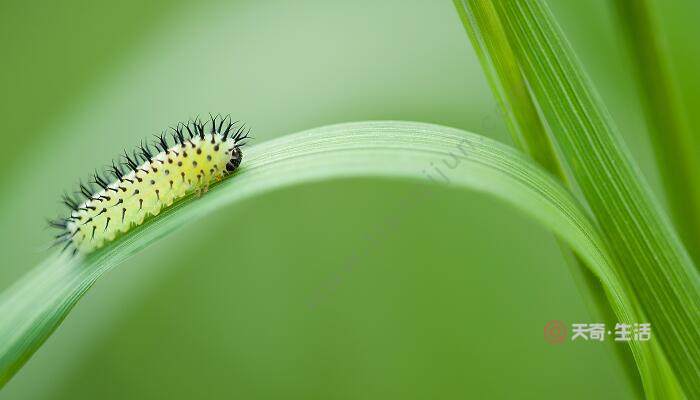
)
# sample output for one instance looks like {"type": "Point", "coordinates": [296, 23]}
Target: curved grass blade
{"type": "Point", "coordinates": [34, 307]}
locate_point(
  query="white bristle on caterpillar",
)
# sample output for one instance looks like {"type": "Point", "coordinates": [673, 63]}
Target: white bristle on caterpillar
{"type": "Point", "coordinates": [147, 182]}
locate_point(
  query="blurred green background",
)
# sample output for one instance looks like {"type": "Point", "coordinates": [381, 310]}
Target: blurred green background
{"type": "Point", "coordinates": [338, 290]}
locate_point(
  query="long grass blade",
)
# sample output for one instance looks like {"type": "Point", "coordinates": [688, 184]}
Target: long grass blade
{"type": "Point", "coordinates": [652, 257]}
{"type": "Point", "coordinates": [673, 141]}
{"type": "Point", "coordinates": [34, 307]}
{"type": "Point", "coordinates": [502, 70]}
{"type": "Point", "coordinates": [509, 86]}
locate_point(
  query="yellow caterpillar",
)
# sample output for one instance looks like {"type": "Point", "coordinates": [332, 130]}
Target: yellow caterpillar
{"type": "Point", "coordinates": [147, 182]}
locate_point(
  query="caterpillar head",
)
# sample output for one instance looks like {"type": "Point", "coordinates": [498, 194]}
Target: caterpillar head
{"type": "Point", "coordinates": [239, 140]}
{"type": "Point", "coordinates": [236, 158]}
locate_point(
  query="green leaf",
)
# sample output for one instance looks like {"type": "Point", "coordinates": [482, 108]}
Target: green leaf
{"type": "Point", "coordinates": [502, 70]}
{"type": "Point", "coordinates": [34, 307]}
{"type": "Point", "coordinates": [673, 141]}
{"type": "Point", "coordinates": [509, 86]}
{"type": "Point", "coordinates": [648, 253]}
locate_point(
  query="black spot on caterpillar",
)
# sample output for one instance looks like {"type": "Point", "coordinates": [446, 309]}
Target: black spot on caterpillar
{"type": "Point", "coordinates": [119, 204]}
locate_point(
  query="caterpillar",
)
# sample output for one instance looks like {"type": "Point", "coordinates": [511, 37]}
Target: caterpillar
{"type": "Point", "coordinates": [149, 180]}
